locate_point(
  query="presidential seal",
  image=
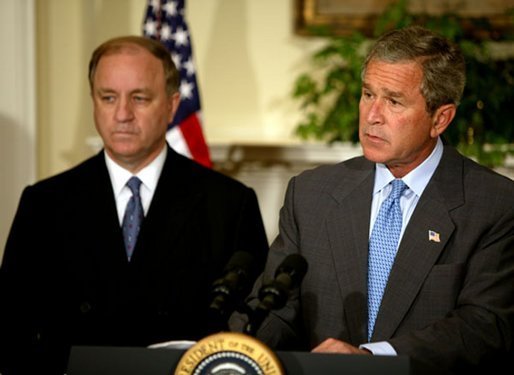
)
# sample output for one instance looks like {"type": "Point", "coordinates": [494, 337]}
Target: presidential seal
{"type": "Point", "coordinates": [229, 353]}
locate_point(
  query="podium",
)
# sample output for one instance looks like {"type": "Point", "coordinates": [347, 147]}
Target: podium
{"type": "Point", "coordinates": [88, 360]}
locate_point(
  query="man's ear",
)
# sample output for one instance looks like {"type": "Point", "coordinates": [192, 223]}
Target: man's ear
{"type": "Point", "coordinates": [443, 116]}
{"type": "Point", "coordinates": [173, 102]}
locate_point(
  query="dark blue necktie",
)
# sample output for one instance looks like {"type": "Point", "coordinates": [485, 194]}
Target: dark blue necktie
{"type": "Point", "coordinates": [383, 243]}
{"type": "Point", "coordinates": [133, 216]}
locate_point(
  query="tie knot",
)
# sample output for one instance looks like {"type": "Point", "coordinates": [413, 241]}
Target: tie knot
{"type": "Point", "coordinates": [398, 188]}
{"type": "Point", "coordinates": [134, 183]}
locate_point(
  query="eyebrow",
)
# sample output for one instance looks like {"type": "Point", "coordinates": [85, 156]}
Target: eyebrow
{"type": "Point", "coordinates": [387, 92]}
{"type": "Point", "coordinates": [103, 90]}
{"type": "Point", "coordinates": [393, 94]}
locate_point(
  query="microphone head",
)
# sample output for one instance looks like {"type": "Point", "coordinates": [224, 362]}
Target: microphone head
{"type": "Point", "coordinates": [241, 261]}
{"type": "Point", "coordinates": [289, 275]}
{"type": "Point", "coordinates": [235, 283]}
{"type": "Point", "coordinates": [295, 266]}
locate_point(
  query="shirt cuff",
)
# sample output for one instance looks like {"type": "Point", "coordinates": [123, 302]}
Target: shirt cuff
{"type": "Point", "coordinates": [379, 348]}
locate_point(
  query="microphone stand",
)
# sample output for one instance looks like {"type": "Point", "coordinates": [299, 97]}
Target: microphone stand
{"type": "Point", "coordinates": [255, 319]}
{"type": "Point", "coordinates": [273, 296]}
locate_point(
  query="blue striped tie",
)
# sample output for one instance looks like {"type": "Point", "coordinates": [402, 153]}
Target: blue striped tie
{"type": "Point", "coordinates": [382, 249]}
{"type": "Point", "coordinates": [133, 216]}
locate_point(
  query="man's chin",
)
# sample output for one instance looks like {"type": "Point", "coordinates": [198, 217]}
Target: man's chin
{"type": "Point", "coordinates": [375, 155]}
{"type": "Point", "coordinates": [124, 150]}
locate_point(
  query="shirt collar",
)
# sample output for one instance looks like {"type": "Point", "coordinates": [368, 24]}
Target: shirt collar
{"type": "Point", "coordinates": [417, 179]}
{"type": "Point", "coordinates": [149, 175]}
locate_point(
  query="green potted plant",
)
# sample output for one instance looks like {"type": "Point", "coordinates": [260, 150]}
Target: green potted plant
{"type": "Point", "coordinates": [329, 94]}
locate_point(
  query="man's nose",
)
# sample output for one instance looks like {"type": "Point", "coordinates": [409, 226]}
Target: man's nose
{"type": "Point", "coordinates": [124, 111]}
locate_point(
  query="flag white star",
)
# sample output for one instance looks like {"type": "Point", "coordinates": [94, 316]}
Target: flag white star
{"type": "Point", "coordinates": [150, 28]}
{"type": "Point", "coordinates": [154, 4]}
{"type": "Point", "coordinates": [170, 8]}
{"type": "Point", "coordinates": [189, 67]}
{"type": "Point", "coordinates": [181, 37]}
{"type": "Point", "coordinates": [186, 90]}
{"type": "Point", "coordinates": [166, 33]}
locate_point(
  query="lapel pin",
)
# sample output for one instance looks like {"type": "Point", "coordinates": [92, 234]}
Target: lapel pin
{"type": "Point", "coordinates": [433, 236]}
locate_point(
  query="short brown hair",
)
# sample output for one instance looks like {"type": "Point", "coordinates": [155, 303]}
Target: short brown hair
{"type": "Point", "coordinates": [442, 62]}
{"type": "Point", "coordinates": [117, 44]}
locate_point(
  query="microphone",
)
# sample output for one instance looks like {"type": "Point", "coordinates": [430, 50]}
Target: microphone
{"type": "Point", "coordinates": [274, 295]}
{"type": "Point", "coordinates": [230, 289]}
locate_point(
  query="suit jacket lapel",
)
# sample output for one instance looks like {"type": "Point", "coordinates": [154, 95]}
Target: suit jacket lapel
{"type": "Point", "coordinates": [417, 252]}
{"type": "Point", "coordinates": [348, 229]}
{"type": "Point", "coordinates": [172, 204]}
{"type": "Point", "coordinates": [97, 206]}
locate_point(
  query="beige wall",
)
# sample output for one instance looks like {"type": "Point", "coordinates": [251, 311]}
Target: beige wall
{"type": "Point", "coordinates": [17, 107]}
{"type": "Point", "coordinates": [67, 32]}
{"type": "Point", "coordinates": [246, 54]}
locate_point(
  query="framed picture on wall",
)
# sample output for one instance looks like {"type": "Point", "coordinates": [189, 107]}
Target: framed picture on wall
{"type": "Point", "coordinates": [342, 17]}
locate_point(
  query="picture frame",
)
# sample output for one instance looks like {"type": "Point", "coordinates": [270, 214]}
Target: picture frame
{"type": "Point", "coordinates": [341, 17]}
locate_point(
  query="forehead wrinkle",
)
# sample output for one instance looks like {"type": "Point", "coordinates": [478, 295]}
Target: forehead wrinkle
{"type": "Point", "coordinates": [403, 74]}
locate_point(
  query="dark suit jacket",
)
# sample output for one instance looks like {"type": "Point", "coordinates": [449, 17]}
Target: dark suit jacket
{"type": "Point", "coordinates": [66, 279]}
{"type": "Point", "coordinates": [448, 302]}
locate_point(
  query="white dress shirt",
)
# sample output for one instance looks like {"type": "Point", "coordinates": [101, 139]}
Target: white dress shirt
{"type": "Point", "coordinates": [416, 180]}
{"type": "Point", "coordinates": [149, 177]}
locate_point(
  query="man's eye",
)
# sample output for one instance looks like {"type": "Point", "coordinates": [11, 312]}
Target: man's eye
{"type": "Point", "coordinates": [107, 98]}
{"type": "Point", "coordinates": [140, 99]}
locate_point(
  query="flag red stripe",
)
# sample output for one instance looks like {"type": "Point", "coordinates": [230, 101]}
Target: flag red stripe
{"type": "Point", "coordinates": [193, 135]}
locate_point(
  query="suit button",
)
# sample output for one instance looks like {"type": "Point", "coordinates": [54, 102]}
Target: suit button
{"type": "Point", "coordinates": [85, 307]}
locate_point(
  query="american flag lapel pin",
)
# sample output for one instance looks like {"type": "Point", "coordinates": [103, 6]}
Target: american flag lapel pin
{"type": "Point", "coordinates": [433, 236]}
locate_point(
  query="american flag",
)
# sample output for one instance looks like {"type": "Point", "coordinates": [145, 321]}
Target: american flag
{"type": "Point", "coordinates": [434, 236]}
{"type": "Point", "coordinates": [165, 21]}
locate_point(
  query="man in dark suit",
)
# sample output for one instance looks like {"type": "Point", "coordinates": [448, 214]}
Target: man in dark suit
{"type": "Point", "coordinates": [449, 297]}
{"type": "Point", "coordinates": [66, 278]}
